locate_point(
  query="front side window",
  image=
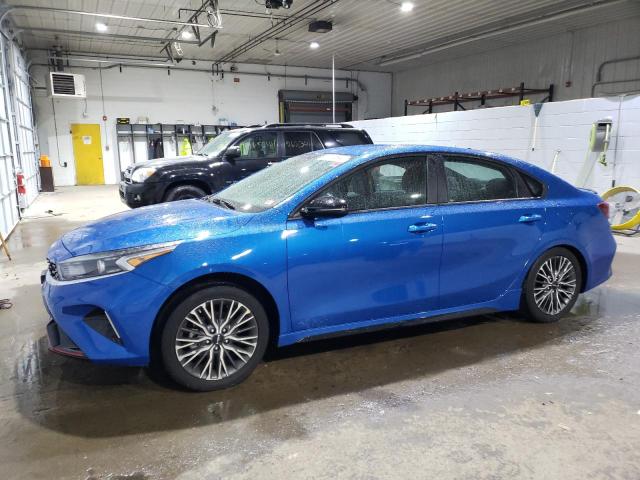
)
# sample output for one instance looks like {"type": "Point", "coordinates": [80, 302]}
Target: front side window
{"type": "Point", "coordinates": [218, 144]}
{"type": "Point", "coordinates": [296, 143]}
{"type": "Point", "coordinates": [259, 145]}
{"type": "Point", "coordinates": [397, 182]}
{"type": "Point", "coordinates": [470, 180]}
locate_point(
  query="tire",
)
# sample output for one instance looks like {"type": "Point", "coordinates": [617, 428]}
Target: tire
{"type": "Point", "coordinates": [552, 286]}
{"type": "Point", "coordinates": [200, 367]}
{"type": "Point", "coordinates": [184, 192]}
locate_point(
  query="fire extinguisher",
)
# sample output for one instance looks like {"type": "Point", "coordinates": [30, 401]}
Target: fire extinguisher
{"type": "Point", "coordinates": [22, 189]}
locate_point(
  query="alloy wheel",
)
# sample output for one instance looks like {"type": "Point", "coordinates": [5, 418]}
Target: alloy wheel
{"type": "Point", "coordinates": [555, 285]}
{"type": "Point", "coordinates": [216, 339]}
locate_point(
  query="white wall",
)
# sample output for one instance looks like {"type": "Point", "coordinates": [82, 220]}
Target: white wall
{"type": "Point", "coordinates": [563, 127]}
{"type": "Point", "coordinates": [569, 57]}
{"type": "Point", "coordinates": [182, 97]}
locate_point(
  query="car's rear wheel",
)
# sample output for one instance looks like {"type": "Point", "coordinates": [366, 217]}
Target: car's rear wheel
{"type": "Point", "coordinates": [552, 286]}
{"type": "Point", "coordinates": [214, 338]}
{"type": "Point", "coordinates": [184, 192]}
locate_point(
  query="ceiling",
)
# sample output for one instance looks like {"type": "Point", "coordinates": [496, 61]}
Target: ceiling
{"type": "Point", "coordinates": [367, 34]}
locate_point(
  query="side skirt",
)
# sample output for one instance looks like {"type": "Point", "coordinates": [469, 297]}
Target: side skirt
{"type": "Point", "coordinates": [390, 326]}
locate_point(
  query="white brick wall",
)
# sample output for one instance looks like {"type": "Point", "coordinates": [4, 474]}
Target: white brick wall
{"type": "Point", "coordinates": [562, 126]}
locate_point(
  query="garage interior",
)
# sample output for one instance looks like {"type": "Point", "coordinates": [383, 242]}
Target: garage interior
{"type": "Point", "coordinates": [90, 88]}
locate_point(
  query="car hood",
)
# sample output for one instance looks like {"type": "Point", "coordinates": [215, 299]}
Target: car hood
{"type": "Point", "coordinates": [166, 222]}
{"type": "Point", "coordinates": [163, 162]}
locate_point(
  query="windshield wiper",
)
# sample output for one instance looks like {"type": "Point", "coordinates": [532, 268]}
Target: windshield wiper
{"type": "Point", "coordinates": [222, 202]}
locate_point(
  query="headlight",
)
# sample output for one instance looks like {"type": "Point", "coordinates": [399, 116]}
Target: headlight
{"type": "Point", "coordinates": [109, 263]}
{"type": "Point", "coordinates": [139, 175]}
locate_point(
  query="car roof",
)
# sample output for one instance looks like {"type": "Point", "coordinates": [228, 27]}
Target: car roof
{"type": "Point", "coordinates": [363, 153]}
{"type": "Point", "coordinates": [305, 126]}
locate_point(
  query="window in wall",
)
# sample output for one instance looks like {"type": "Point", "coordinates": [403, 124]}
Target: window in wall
{"type": "Point", "coordinates": [470, 180]}
{"type": "Point", "coordinates": [398, 182]}
{"type": "Point", "coordinates": [259, 145]}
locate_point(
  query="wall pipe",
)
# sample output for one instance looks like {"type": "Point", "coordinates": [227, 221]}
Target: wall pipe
{"type": "Point", "coordinates": [609, 62]}
{"type": "Point", "coordinates": [210, 72]}
{"type": "Point", "coordinates": [611, 82]}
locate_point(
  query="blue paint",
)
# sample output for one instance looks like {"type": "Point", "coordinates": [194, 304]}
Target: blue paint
{"type": "Point", "coordinates": [362, 270]}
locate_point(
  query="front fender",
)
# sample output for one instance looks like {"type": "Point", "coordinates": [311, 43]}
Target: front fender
{"type": "Point", "coordinates": [259, 255]}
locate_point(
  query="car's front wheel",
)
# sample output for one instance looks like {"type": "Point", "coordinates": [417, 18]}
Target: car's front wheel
{"type": "Point", "coordinates": [552, 286]}
{"type": "Point", "coordinates": [184, 192]}
{"type": "Point", "coordinates": [214, 338]}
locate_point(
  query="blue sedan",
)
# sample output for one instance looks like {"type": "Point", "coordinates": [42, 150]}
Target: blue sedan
{"type": "Point", "coordinates": [322, 244]}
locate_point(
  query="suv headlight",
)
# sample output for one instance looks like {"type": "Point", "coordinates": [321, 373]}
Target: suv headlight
{"type": "Point", "coordinates": [139, 175]}
{"type": "Point", "coordinates": [110, 263]}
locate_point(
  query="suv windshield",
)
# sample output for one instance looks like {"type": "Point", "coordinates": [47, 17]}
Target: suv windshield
{"type": "Point", "coordinates": [216, 146]}
{"type": "Point", "coordinates": [271, 186]}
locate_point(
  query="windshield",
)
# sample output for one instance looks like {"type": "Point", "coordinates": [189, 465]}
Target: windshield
{"type": "Point", "coordinates": [275, 184]}
{"type": "Point", "coordinates": [216, 146]}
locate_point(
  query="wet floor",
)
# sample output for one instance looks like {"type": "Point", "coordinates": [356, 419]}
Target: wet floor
{"type": "Point", "coordinates": [487, 397]}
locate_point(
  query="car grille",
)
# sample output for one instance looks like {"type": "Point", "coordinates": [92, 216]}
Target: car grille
{"type": "Point", "coordinates": [53, 269]}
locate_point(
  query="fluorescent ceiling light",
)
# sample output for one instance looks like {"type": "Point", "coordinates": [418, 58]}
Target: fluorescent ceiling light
{"type": "Point", "coordinates": [314, 45]}
{"type": "Point", "coordinates": [186, 35]}
{"type": "Point", "coordinates": [101, 27]}
{"type": "Point", "coordinates": [406, 7]}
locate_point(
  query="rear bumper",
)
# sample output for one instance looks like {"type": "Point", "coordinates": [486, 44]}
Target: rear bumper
{"type": "Point", "coordinates": [140, 194]}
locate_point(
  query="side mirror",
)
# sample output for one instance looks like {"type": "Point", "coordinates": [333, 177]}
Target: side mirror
{"type": "Point", "coordinates": [325, 206]}
{"type": "Point", "coordinates": [232, 152]}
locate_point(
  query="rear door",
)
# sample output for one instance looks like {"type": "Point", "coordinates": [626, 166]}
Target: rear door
{"type": "Point", "coordinates": [492, 225]}
{"type": "Point", "coordinates": [296, 143]}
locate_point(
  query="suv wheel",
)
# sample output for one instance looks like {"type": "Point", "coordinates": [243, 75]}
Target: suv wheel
{"type": "Point", "coordinates": [184, 192]}
{"type": "Point", "coordinates": [552, 286]}
{"type": "Point", "coordinates": [214, 338]}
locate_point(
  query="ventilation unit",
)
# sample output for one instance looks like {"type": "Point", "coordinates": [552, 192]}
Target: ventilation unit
{"type": "Point", "coordinates": [68, 85]}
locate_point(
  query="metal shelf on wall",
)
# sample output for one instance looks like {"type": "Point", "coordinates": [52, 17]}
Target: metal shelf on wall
{"type": "Point", "coordinates": [458, 99]}
{"type": "Point", "coordinates": [163, 139]}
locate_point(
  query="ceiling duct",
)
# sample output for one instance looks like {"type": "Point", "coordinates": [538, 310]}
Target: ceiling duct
{"type": "Point", "coordinates": [320, 26]}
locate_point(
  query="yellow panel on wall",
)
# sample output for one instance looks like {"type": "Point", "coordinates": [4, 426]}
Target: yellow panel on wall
{"type": "Point", "coordinates": [87, 152]}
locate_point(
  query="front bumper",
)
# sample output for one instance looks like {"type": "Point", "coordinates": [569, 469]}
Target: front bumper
{"type": "Point", "coordinates": [140, 194]}
{"type": "Point", "coordinates": [130, 302]}
{"type": "Point", "coordinates": [60, 343]}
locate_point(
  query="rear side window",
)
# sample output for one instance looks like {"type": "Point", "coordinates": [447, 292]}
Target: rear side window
{"type": "Point", "coordinates": [535, 187]}
{"type": "Point", "coordinates": [470, 180]}
{"type": "Point", "coordinates": [337, 138]}
{"type": "Point", "coordinates": [297, 143]}
{"type": "Point", "coordinates": [317, 144]}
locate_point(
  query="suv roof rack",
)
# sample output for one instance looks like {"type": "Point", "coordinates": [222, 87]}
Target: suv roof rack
{"type": "Point", "coordinates": [336, 125]}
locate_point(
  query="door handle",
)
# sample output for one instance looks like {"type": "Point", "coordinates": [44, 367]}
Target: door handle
{"type": "Point", "coordinates": [530, 218]}
{"type": "Point", "coordinates": [422, 227]}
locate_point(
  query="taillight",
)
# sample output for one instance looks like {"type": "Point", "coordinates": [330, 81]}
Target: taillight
{"type": "Point", "coordinates": [604, 209]}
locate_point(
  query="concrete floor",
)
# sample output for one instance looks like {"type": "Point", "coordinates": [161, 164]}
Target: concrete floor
{"type": "Point", "coordinates": [484, 398]}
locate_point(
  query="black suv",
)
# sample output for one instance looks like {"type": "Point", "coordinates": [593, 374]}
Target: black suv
{"type": "Point", "coordinates": [231, 156]}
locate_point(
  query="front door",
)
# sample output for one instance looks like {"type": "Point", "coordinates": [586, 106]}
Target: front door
{"type": "Point", "coordinates": [257, 151]}
{"type": "Point", "coordinates": [87, 152]}
{"type": "Point", "coordinates": [379, 262]}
